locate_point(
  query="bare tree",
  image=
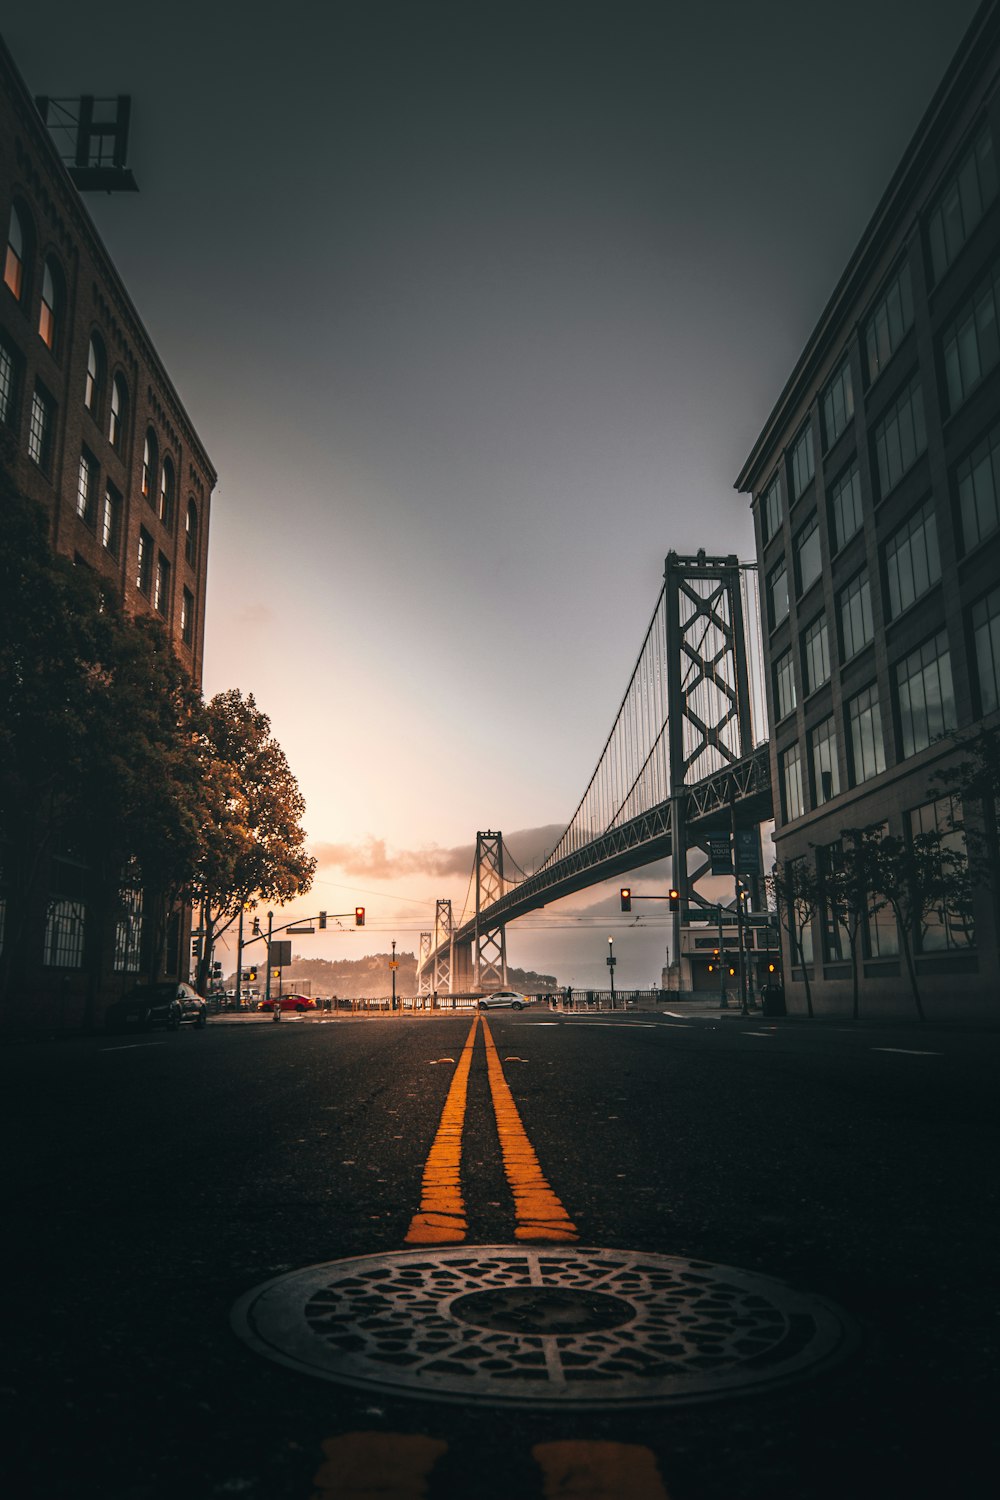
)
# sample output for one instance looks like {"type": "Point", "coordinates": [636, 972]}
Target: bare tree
{"type": "Point", "coordinates": [795, 887]}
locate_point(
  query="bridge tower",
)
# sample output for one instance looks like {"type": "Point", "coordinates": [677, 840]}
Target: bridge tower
{"type": "Point", "coordinates": [444, 945]}
{"type": "Point", "coordinates": [490, 954]}
{"type": "Point", "coordinates": [423, 967]}
{"type": "Point", "coordinates": [708, 694]}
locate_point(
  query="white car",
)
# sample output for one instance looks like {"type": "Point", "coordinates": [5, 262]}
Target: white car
{"type": "Point", "coordinates": [503, 998]}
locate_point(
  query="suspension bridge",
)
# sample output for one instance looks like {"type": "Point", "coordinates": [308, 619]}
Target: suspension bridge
{"type": "Point", "coordinates": [684, 769]}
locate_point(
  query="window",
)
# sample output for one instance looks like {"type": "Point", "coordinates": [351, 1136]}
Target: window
{"type": "Point", "coordinates": [803, 462]}
{"type": "Point", "coordinates": [144, 566]}
{"type": "Point", "coordinates": [9, 383]}
{"type": "Point", "coordinates": [191, 534]}
{"type": "Point", "coordinates": [784, 685]}
{"type": "Point", "coordinates": [816, 654]}
{"type": "Point", "coordinates": [40, 429]}
{"type": "Point", "coordinates": [864, 720]}
{"type": "Point", "coordinates": [777, 594]}
{"type": "Point", "coordinates": [167, 488]}
{"type": "Point", "coordinates": [119, 412]}
{"type": "Point", "coordinates": [187, 617]}
{"type": "Point", "coordinates": [50, 312]}
{"type": "Point", "coordinates": [770, 509]}
{"type": "Point", "coordinates": [808, 563]}
{"type": "Point", "coordinates": [900, 438]}
{"type": "Point", "coordinates": [86, 488]}
{"type": "Point", "coordinates": [161, 594]}
{"type": "Point", "coordinates": [826, 771]}
{"type": "Point", "coordinates": [14, 261]}
{"type": "Point", "coordinates": [889, 323]}
{"type": "Point", "coordinates": [845, 506]}
{"type": "Point", "coordinates": [791, 784]}
{"type": "Point", "coordinates": [986, 641]}
{"type": "Point", "coordinates": [64, 926]}
{"type": "Point", "coordinates": [111, 521]}
{"type": "Point", "coordinates": [948, 925]}
{"type": "Point", "coordinates": [925, 695]}
{"type": "Point", "coordinates": [835, 936]}
{"type": "Point", "coordinates": [149, 461]}
{"type": "Point", "coordinates": [978, 478]}
{"type": "Point", "coordinates": [972, 344]}
{"type": "Point", "coordinates": [128, 929]}
{"type": "Point", "coordinates": [963, 203]}
{"type": "Point", "coordinates": [93, 389]}
{"type": "Point", "coordinates": [912, 559]}
{"type": "Point", "coordinates": [856, 627]}
{"type": "Point", "coordinates": [838, 404]}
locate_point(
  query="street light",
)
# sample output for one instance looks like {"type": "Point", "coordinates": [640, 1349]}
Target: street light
{"type": "Point", "coordinates": [611, 966]}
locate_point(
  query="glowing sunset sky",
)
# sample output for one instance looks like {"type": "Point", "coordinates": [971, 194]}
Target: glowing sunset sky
{"type": "Point", "coordinates": [478, 309]}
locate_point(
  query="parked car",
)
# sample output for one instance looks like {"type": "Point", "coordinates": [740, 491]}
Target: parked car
{"type": "Point", "coordinates": [503, 998]}
{"type": "Point", "coordinates": [168, 1003]}
{"type": "Point", "coordinates": [288, 1002]}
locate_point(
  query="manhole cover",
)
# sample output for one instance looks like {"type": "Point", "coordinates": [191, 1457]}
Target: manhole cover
{"type": "Point", "coordinates": [560, 1327]}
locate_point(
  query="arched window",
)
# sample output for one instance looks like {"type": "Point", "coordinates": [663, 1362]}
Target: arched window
{"type": "Point", "coordinates": [191, 534]}
{"type": "Point", "coordinates": [167, 493]}
{"type": "Point", "coordinates": [50, 314]}
{"type": "Point", "coordinates": [93, 391]}
{"type": "Point", "coordinates": [17, 253]}
{"type": "Point", "coordinates": [119, 412]}
{"type": "Point", "coordinates": [149, 453]}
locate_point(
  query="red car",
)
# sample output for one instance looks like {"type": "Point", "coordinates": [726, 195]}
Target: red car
{"type": "Point", "coordinates": [289, 1002]}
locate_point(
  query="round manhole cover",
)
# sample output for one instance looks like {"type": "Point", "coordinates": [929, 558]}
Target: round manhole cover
{"type": "Point", "coordinates": [560, 1327]}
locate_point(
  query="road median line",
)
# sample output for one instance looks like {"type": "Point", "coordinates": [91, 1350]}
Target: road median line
{"type": "Point", "coordinates": [440, 1219]}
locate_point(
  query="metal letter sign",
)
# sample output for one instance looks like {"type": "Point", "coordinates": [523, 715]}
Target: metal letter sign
{"type": "Point", "coordinates": [747, 850]}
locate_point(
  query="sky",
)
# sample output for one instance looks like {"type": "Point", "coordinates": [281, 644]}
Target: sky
{"type": "Point", "coordinates": [477, 309]}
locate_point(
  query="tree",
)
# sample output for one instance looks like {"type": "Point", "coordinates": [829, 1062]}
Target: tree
{"type": "Point", "coordinates": [797, 893]}
{"type": "Point", "coordinates": [915, 877]}
{"type": "Point", "coordinates": [850, 884]}
{"type": "Point", "coordinates": [253, 844]}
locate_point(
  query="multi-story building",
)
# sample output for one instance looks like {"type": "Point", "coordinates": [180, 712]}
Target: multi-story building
{"type": "Point", "coordinates": [876, 502]}
{"type": "Point", "coordinates": [99, 435]}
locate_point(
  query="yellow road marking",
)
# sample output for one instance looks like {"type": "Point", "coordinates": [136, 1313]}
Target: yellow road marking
{"type": "Point", "coordinates": [598, 1471]}
{"type": "Point", "coordinates": [440, 1220]}
{"type": "Point", "coordinates": [376, 1466]}
{"type": "Point", "coordinates": [540, 1215]}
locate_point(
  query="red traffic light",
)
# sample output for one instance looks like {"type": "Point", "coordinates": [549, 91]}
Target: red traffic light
{"type": "Point", "coordinates": [626, 895]}
{"type": "Point", "coordinates": [359, 916]}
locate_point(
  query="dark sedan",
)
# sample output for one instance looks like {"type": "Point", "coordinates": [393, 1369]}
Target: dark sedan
{"type": "Point", "coordinates": [168, 1003]}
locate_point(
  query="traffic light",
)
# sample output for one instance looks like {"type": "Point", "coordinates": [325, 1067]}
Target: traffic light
{"type": "Point", "coordinates": [711, 968]}
{"type": "Point", "coordinates": [626, 894]}
{"type": "Point", "coordinates": [256, 926]}
{"type": "Point", "coordinates": [675, 899]}
{"type": "Point", "coordinates": [770, 968]}
{"type": "Point", "coordinates": [359, 916]}
{"type": "Point", "coordinates": [322, 921]}
{"type": "Point", "coordinates": [196, 947]}
{"type": "Point", "coordinates": [252, 976]}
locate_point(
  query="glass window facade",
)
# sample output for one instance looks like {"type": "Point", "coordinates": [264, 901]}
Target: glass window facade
{"type": "Point", "coordinates": [191, 534]}
{"type": "Point", "coordinates": [978, 482]}
{"type": "Point", "coordinates": [948, 925]}
{"type": "Point", "coordinates": [791, 784]}
{"type": "Point", "coordinates": [925, 695]}
{"type": "Point", "coordinates": [900, 438]}
{"type": "Point", "coordinates": [972, 344]}
{"type": "Point", "coordinates": [803, 461]}
{"type": "Point", "coordinates": [770, 509]}
{"type": "Point", "coordinates": [845, 506]}
{"type": "Point", "coordinates": [808, 563]}
{"type": "Point", "coordinates": [825, 767]}
{"type": "Point", "coordinates": [49, 311]}
{"type": "Point", "coordinates": [912, 559]}
{"type": "Point", "coordinates": [838, 404]}
{"type": "Point", "coordinates": [864, 723]}
{"type": "Point", "coordinates": [963, 202]}
{"type": "Point", "coordinates": [816, 654]}
{"type": "Point", "coordinates": [149, 454]}
{"type": "Point", "coordinates": [856, 626]}
{"type": "Point", "coordinates": [13, 267]}
{"type": "Point", "coordinates": [119, 410]}
{"type": "Point", "coordinates": [187, 617]}
{"type": "Point", "coordinates": [986, 641]}
{"type": "Point", "coordinates": [777, 594]}
{"type": "Point", "coordinates": [167, 489]}
{"type": "Point", "coordinates": [94, 383]}
{"type": "Point", "coordinates": [889, 323]}
{"type": "Point", "coordinates": [784, 685]}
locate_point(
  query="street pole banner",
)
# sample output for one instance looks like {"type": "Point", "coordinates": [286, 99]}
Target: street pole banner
{"type": "Point", "coordinates": [720, 853]}
{"type": "Point", "coordinates": [747, 848]}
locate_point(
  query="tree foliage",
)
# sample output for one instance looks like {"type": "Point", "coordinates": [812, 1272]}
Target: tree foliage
{"type": "Point", "coordinates": [797, 892]}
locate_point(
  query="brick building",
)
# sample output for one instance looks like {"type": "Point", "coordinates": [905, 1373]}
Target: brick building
{"type": "Point", "coordinates": [99, 434]}
{"type": "Point", "coordinates": [875, 490]}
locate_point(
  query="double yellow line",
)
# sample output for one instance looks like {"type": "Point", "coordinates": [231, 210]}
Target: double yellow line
{"type": "Point", "coordinates": [441, 1217]}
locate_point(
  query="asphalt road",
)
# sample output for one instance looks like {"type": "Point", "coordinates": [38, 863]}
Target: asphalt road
{"type": "Point", "coordinates": [151, 1181]}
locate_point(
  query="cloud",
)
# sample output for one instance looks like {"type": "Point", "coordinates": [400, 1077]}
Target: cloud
{"type": "Point", "coordinates": [373, 860]}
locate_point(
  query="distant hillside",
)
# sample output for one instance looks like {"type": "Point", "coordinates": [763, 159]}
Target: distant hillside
{"type": "Point", "coordinates": [352, 978]}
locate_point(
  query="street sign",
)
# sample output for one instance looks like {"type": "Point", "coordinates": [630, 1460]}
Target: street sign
{"type": "Point", "coordinates": [300, 931]}
{"type": "Point", "coordinates": [279, 953]}
{"type": "Point", "coordinates": [394, 964]}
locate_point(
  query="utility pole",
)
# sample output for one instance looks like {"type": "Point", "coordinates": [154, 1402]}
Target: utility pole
{"type": "Point", "coordinates": [392, 966]}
